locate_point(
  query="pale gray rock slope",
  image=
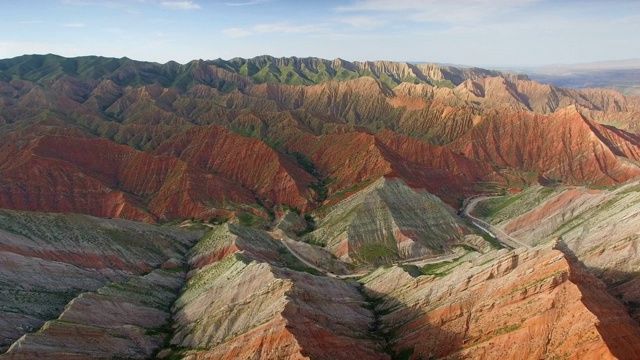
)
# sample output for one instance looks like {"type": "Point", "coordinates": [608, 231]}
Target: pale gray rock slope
{"type": "Point", "coordinates": [241, 300]}
{"type": "Point", "coordinates": [128, 319]}
{"type": "Point", "coordinates": [389, 220]}
{"type": "Point", "coordinates": [601, 227]}
{"type": "Point", "coordinates": [70, 272]}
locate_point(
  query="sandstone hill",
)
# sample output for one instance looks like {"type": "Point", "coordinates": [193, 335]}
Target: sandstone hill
{"type": "Point", "coordinates": [110, 282]}
{"type": "Point", "coordinates": [597, 225]}
{"type": "Point", "coordinates": [389, 220]}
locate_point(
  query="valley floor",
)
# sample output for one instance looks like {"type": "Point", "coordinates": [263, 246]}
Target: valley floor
{"type": "Point", "coordinates": [228, 291]}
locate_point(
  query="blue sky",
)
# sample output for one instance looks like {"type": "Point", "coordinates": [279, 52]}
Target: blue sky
{"type": "Point", "coordinates": [471, 32]}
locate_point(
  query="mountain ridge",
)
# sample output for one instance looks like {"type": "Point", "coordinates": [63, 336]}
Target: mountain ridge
{"type": "Point", "coordinates": [157, 110]}
{"type": "Point", "coordinates": [265, 68]}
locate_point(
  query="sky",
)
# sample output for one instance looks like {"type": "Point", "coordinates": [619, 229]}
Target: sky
{"type": "Point", "coordinates": [490, 33]}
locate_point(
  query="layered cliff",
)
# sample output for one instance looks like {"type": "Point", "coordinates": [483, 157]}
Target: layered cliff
{"type": "Point", "coordinates": [244, 302]}
{"type": "Point", "coordinates": [564, 147]}
{"type": "Point", "coordinates": [366, 161]}
{"type": "Point", "coordinates": [138, 291]}
{"type": "Point", "coordinates": [597, 225]}
{"type": "Point", "coordinates": [508, 305]}
{"type": "Point", "coordinates": [388, 220]}
{"type": "Point", "coordinates": [102, 178]}
{"type": "Point", "coordinates": [78, 286]}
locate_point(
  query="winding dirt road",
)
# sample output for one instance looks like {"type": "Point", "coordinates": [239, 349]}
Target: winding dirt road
{"type": "Point", "coordinates": [416, 261]}
{"type": "Point", "coordinates": [493, 231]}
{"type": "Point", "coordinates": [324, 271]}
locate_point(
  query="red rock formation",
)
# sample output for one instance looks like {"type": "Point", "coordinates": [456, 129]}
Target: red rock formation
{"type": "Point", "coordinates": [563, 146]}
{"type": "Point", "coordinates": [99, 177]}
{"type": "Point", "coordinates": [247, 161]}
{"type": "Point", "coordinates": [458, 132]}
{"type": "Point", "coordinates": [244, 305]}
{"type": "Point", "coordinates": [349, 159]}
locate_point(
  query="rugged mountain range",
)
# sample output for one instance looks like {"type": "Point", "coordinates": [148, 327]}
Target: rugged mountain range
{"type": "Point", "coordinates": [134, 136]}
{"type": "Point", "coordinates": [364, 163]}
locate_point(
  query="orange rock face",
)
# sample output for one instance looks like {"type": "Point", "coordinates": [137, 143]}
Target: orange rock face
{"type": "Point", "coordinates": [563, 147]}
{"type": "Point", "coordinates": [249, 162]}
{"type": "Point", "coordinates": [531, 305]}
{"type": "Point", "coordinates": [99, 177]}
{"type": "Point", "coordinates": [377, 164]}
{"type": "Point", "coordinates": [598, 225]}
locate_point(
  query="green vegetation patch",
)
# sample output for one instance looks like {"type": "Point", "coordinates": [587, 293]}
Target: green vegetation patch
{"type": "Point", "coordinates": [437, 269]}
{"type": "Point", "coordinates": [305, 163]}
{"type": "Point", "coordinates": [443, 83]}
{"type": "Point", "coordinates": [248, 219]}
{"type": "Point", "coordinates": [217, 238]}
{"type": "Point", "coordinates": [210, 273]}
{"type": "Point", "coordinates": [370, 253]}
{"type": "Point", "coordinates": [487, 209]}
{"type": "Point", "coordinates": [629, 190]}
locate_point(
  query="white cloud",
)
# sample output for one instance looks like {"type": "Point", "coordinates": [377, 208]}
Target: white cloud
{"type": "Point", "coordinates": [440, 11]}
{"type": "Point", "coordinates": [236, 32]}
{"type": "Point", "coordinates": [74, 25]}
{"type": "Point", "coordinates": [363, 22]}
{"type": "Point", "coordinates": [180, 5]}
{"type": "Point", "coordinates": [246, 3]}
{"type": "Point", "coordinates": [282, 28]}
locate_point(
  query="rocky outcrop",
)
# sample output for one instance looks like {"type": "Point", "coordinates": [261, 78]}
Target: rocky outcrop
{"type": "Point", "coordinates": [388, 220]}
{"type": "Point", "coordinates": [598, 225]}
{"type": "Point", "coordinates": [250, 162]}
{"type": "Point", "coordinates": [307, 71]}
{"type": "Point", "coordinates": [577, 150]}
{"type": "Point", "coordinates": [378, 154]}
{"type": "Point", "coordinates": [152, 142]}
{"type": "Point", "coordinates": [101, 178]}
{"type": "Point", "coordinates": [59, 269]}
{"type": "Point", "coordinates": [245, 295]}
{"type": "Point", "coordinates": [128, 319]}
{"type": "Point", "coordinates": [242, 303]}
{"type": "Point", "coordinates": [291, 223]}
{"type": "Point", "coordinates": [526, 305]}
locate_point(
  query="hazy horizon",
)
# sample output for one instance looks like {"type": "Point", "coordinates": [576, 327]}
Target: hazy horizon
{"type": "Point", "coordinates": [483, 33]}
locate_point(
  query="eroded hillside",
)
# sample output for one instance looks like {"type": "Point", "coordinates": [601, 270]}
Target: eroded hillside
{"type": "Point", "coordinates": [312, 209]}
{"type": "Point", "coordinates": [229, 291]}
{"type": "Point", "coordinates": [154, 142]}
